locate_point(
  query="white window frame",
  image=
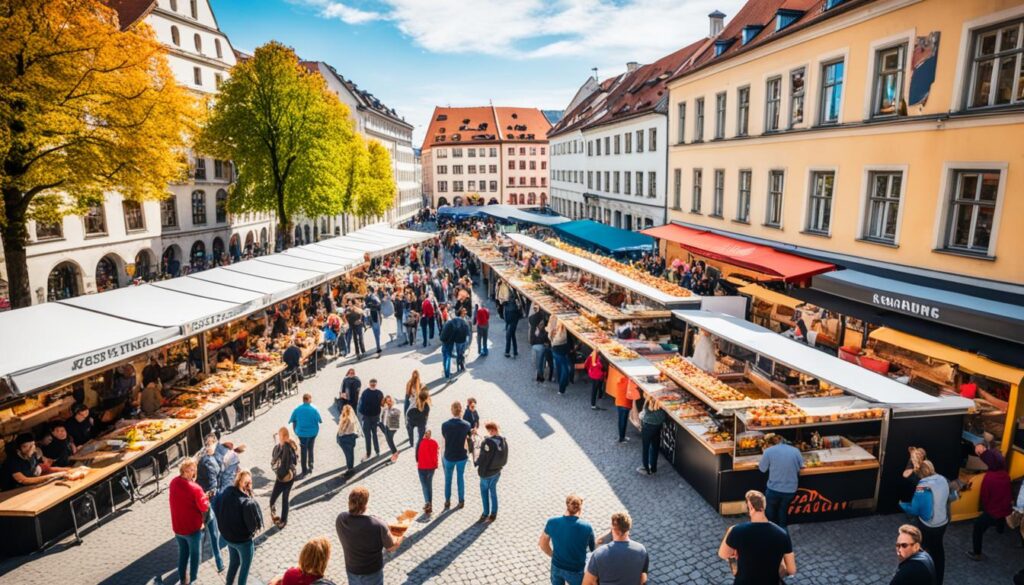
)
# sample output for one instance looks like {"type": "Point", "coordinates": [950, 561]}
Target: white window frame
{"type": "Point", "coordinates": [965, 59]}
{"type": "Point", "coordinates": [788, 93]}
{"type": "Point", "coordinates": [782, 201]}
{"type": "Point", "coordinates": [809, 190]}
{"type": "Point", "coordinates": [903, 38]}
{"type": "Point", "coordinates": [864, 218]}
{"type": "Point", "coordinates": [942, 213]}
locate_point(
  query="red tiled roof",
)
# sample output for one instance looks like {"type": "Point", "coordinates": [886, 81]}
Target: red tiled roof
{"type": "Point", "coordinates": [130, 11]}
{"type": "Point", "coordinates": [762, 13]}
{"type": "Point", "coordinates": [522, 124]}
{"type": "Point", "coordinates": [476, 125]}
{"type": "Point", "coordinates": [630, 94]}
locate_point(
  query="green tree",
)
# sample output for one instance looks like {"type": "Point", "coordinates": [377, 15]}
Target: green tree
{"type": "Point", "coordinates": [377, 194]}
{"type": "Point", "coordinates": [84, 108]}
{"type": "Point", "coordinates": [291, 139]}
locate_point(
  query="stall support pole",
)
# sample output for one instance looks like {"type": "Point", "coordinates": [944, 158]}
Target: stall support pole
{"type": "Point", "coordinates": [883, 439]}
{"type": "Point", "coordinates": [206, 357]}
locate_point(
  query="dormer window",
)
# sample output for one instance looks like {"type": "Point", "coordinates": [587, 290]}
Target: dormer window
{"type": "Point", "coordinates": [830, 4]}
{"type": "Point", "coordinates": [784, 18]}
{"type": "Point", "coordinates": [442, 117]}
{"type": "Point", "coordinates": [750, 31]}
{"type": "Point", "coordinates": [722, 46]}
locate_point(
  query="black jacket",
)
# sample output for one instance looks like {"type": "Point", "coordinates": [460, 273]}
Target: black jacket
{"type": "Point", "coordinates": [415, 416]}
{"type": "Point", "coordinates": [455, 331]}
{"type": "Point", "coordinates": [351, 385]}
{"type": "Point", "coordinates": [238, 516]}
{"type": "Point", "coordinates": [285, 457]}
{"type": "Point", "coordinates": [208, 473]}
{"type": "Point", "coordinates": [493, 456]}
{"type": "Point", "coordinates": [511, 311]}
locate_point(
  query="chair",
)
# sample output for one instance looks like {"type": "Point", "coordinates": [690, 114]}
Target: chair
{"type": "Point", "coordinates": [290, 383]}
{"type": "Point", "coordinates": [248, 406]}
{"type": "Point", "coordinates": [175, 454]}
{"type": "Point", "coordinates": [143, 475]}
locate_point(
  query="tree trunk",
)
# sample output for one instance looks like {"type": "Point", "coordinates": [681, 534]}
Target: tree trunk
{"type": "Point", "coordinates": [14, 236]}
{"type": "Point", "coordinates": [283, 224]}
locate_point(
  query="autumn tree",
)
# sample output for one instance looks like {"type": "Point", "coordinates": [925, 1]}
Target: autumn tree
{"type": "Point", "coordinates": [85, 107]}
{"type": "Point", "coordinates": [292, 140]}
{"type": "Point", "coordinates": [377, 193]}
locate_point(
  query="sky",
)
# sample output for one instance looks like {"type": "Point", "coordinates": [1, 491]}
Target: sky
{"type": "Point", "coordinates": [417, 54]}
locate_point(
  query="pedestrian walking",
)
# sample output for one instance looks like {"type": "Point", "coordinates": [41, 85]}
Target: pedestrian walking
{"type": "Point", "coordinates": [759, 551]}
{"type": "Point", "coordinates": [188, 509]}
{"type": "Point", "coordinates": [282, 462]}
{"type": "Point", "coordinates": [390, 422]}
{"type": "Point", "coordinates": [369, 410]}
{"type": "Point", "coordinates": [356, 322]}
{"type": "Point", "coordinates": [350, 387]}
{"type": "Point", "coordinates": [482, 320]}
{"type": "Point", "coordinates": [621, 561]}
{"type": "Point", "coordinates": [313, 560]}
{"type": "Point", "coordinates": [427, 317]}
{"type": "Point", "coordinates": [412, 390]}
{"type": "Point", "coordinates": [930, 507]}
{"type": "Point", "coordinates": [363, 540]}
{"type": "Point", "coordinates": [996, 499]}
{"type": "Point", "coordinates": [412, 322]}
{"type": "Point", "coordinates": [492, 459]}
{"type": "Point", "coordinates": [399, 306]}
{"type": "Point", "coordinates": [208, 475]}
{"type": "Point", "coordinates": [460, 346]}
{"type": "Point", "coordinates": [540, 343]}
{"type": "Point", "coordinates": [241, 521]}
{"type": "Point", "coordinates": [916, 566]}
{"type": "Point", "coordinates": [652, 419]}
{"type": "Point", "coordinates": [511, 315]}
{"type": "Point", "coordinates": [455, 432]}
{"type": "Point", "coordinates": [560, 349]}
{"type": "Point", "coordinates": [624, 404]}
{"type": "Point", "coordinates": [453, 337]}
{"type": "Point", "coordinates": [426, 465]}
{"type": "Point", "coordinates": [305, 421]}
{"type": "Point", "coordinates": [348, 434]}
{"type": "Point", "coordinates": [417, 415]}
{"type": "Point", "coordinates": [782, 462]}
{"type": "Point", "coordinates": [373, 315]}
{"type": "Point", "coordinates": [596, 372]}
{"type": "Point", "coordinates": [566, 539]}
{"type": "Point", "coordinates": [471, 416]}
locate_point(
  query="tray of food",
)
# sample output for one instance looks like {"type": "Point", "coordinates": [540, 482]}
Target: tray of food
{"type": "Point", "coordinates": [684, 373]}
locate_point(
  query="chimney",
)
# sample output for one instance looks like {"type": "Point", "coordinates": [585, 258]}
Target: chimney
{"type": "Point", "coordinates": [717, 21]}
{"type": "Point", "coordinates": [632, 66]}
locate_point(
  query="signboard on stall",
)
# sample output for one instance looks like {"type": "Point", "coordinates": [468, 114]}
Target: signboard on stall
{"type": "Point", "coordinates": [211, 321]}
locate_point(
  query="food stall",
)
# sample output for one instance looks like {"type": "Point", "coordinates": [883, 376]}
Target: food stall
{"type": "Point", "coordinates": [54, 354]}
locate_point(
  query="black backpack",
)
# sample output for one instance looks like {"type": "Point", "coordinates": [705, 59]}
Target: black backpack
{"type": "Point", "coordinates": [500, 457]}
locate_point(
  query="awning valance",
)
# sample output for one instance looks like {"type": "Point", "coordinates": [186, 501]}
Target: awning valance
{"type": "Point", "coordinates": [608, 239]}
{"type": "Point", "coordinates": [761, 259]}
{"type": "Point", "coordinates": [966, 361]}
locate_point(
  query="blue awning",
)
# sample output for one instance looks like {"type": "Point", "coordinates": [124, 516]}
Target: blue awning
{"type": "Point", "coordinates": [611, 240]}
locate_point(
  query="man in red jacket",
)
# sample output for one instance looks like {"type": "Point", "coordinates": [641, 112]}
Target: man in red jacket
{"type": "Point", "coordinates": [427, 316]}
{"type": "Point", "coordinates": [188, 508]}
{"type": "Point", "coordinates": [995, 498]}
{"type": "Point", "coordinates": [482, 320]}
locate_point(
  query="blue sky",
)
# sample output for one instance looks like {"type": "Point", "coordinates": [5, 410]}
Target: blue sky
{"type": "Point", "coordinates": [415, 54]}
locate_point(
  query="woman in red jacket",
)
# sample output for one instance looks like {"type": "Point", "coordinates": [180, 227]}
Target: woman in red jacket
{"type": "Point", "coordinates": [188, 508]}
{"type": "Point", "coordinates": [995, 498]}
{"type": "Point", "coordinates": [426, 464]}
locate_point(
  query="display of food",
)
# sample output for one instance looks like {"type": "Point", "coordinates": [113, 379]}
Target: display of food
{"type": "Point", "coordinates": [774, 413]}
{"type": "Point", "coordinates": [623, 269]}
{"type": "Point", "coordinates": [718, 437]}
{"type": "Point", "coordinates": [693, 378]}
{"type": "Point", "coordinates": [584, 298]}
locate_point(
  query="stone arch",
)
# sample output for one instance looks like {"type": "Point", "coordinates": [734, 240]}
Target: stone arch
{"type": "Point", "coordinates": [217, 251]}
{"type": "Point", "coordinates": [197, 256]}
{"type": "Point", "coordinates": [64, 281]}
{"type": "Point", "coordinates": [170, 261]}
{"type": "Point", "coordinates": [144, 266]}
{"type": "Point", "coordinates": [108, 272]}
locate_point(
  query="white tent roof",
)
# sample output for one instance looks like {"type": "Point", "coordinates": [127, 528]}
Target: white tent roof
{"type": "Point", "coordinates": [210, 290]}
{"type": "Point", "coordinates": [303, 279]}
{"type": "Point", "coordinates": [851, 378]}
{"type": "Point", "coordinates": [277, 289]}
{"type": "Point", "coordinates": [345, 243]}
{"type": "Point", "coordinates": [47, 343]}
{"type": "Point", "coordinates": [333, 251]}
{"type": "Point", "coordinates": [345, 261]}
{"type": "Point", "coordinates": [331, 269]}
{"type": "Point", "coordinates": [605, 273]}
{"type": "Point", "coordinates": [411, 235]}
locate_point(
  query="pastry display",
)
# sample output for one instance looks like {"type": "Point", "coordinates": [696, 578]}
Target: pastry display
{"type": "Point", "coordinates": [774, 413]}
{"type": "Point", "coordinates": [693, 378]}
{"type": "Point", "coordinates": [624, 269]}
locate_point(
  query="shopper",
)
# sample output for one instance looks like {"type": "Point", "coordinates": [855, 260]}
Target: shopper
{"type": "Point", "coordinates": [467, 338]}
{"type": "Point", "coordinates": [390, 422]}
{"type": "Point", "coordinates": [426, 465]}
{"type": "Point", "coordinates": [492, 459]}
{"type": "Point", "coordinates": [930, 506]}
{"type": "Point", "coordinates": [652, 420]}
{"type": "Point", "coordinates": [760, 550]}
{"type": "Point", "coordinates": [292, 358]}
{"type": "Point", "coordinates": [620, 562]}
{"type": "Point", "coordinates": [453, 333]}
{"type": "Point", "coordinates": [348, 434]}
{"type": "Point", "coordinates": [373, 315]}
{"type": "Point", "coordinates": [350, 387]}
{"type": "Point", "coordinates": [355, 320]}
{"type": "Point", "coordinates": [412, 322]}
{"type": "Point", "coordinates": [313, 559]}
{"type": "Point", "coordinates": [539, 342]}
{"type": "Point", "coordinates": [412, 390]}
{"type": "Point", "coordinates": [560, 350]}
{"type": "Point", "coordinates": [427, 316]}
{"type": "Point", "coordinates": [511, 315]}
{"type": "Point", "coordinates": [363, 540]}
{"type": "Point", "coordinates": [208, 474]}
{"type": "Point", "coordinates": [782, 462]}
{"type": "Point", "coordinates": [241, 521]}
{"type": "Point", "coordinates": [916, 566]}
{"type": "Point", "coordinates": [282, 462]}
{"type": "Point", "coordinates": [369, 410]}
{"type": "Point", "coordinates": [306, 421]}
{"type": "Point", "coordinates": [188, 510]}
{"type": "Point", "coordinates": [482, 320]}
{"type": "Point", "coordinates": [623, 404]}
{"type": "Point", "coordinates": [417, 415]}
{"type": "Point", "coordinates": [595, 371]}
{"type": "Point", "coordinates": [996, 498]}
{"type": "Point", "coordinates": [566, 539]}
{"type": "Point", "coordinates": [455, 432]}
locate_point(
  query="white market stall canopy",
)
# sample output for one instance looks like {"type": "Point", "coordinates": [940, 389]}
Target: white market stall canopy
{"type": "Point", "coordinates": [301, 279]}
{"type": "Point", "coordinates": [343, 260]}
{"type": "Point", "coordinates": [851, 378]}
{"type": "Point", "coordinates": [47, 343]}
{"type": "Point", "coordinates": [383, 228]}
{"type": "Point", "coordinates": [211, 290]}
{"type": "Point", "coordinates": [328, 268]}
{"type": "Point", "coordinates": [278, 290]}
{"type": "Point", "coordinates": [605, 273]}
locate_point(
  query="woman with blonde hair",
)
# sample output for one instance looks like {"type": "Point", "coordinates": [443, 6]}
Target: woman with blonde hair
{"type": "Point", "coordinates": [240, 521]}
{"type": "Point", "coordinates": [282, 461]}
{"type": "Point", "coordinates": [188, 509]}
{"type": "Point", "coordinates": [650, 435]}
{"type": "Point", "coordinates": [412, 390]}
{"type": "Point", "coordinates": [348, 434]}
{"type": "Point", "coordinates": [312, 565]}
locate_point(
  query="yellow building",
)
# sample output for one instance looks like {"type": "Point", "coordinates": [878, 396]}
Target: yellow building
{"type": "Point", "coordinates": [885, 137]}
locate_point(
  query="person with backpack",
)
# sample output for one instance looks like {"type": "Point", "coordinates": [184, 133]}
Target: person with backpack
{"type": "Point", "coordinates": [930, 506]}
{"type": "Point", "coordinates": [460, 346]}
{"type": "Point", "coordinates": [492, 459]}
{"type": "Point", "coordinates": [390, 422]}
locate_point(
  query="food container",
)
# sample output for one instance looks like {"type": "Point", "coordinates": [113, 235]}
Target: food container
{"type": "Point", "coordinates": [749, 443]}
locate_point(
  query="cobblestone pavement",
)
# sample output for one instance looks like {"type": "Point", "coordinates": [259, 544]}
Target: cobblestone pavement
{"type": "Point", "coordinates": [557, 445]}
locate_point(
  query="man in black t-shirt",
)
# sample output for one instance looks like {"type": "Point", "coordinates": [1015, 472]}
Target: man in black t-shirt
{"type": "Point", "coordinates": [24, 466]}
{"type": "Point", "coordinates": [58, 446]}
{"type": "Point", "coordinates": [79, 426]}
{"type": "Point", "coordinates": [455, 432]}
{"type": "Point", "coordinates": [363, 540]}
{"type": "Point", "coordinates": [761, 550]}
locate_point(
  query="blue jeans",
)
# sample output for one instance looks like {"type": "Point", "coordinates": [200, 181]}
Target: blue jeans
{"type": "Point", "coordinates": [374, 579]}
{"type": "Point", "coordinates": [189, 547]}
{"type": "Point", "coordinates": [427, 483]}
{"type": "Point", "coordinates": [563, 577]}
{"type": "Point", "coordinates": [562, 369]}
{"type": "Point", "coordinates": [460, 355]}
{"type": "Point", "coordinates": [306, 453]}
{"type": "Point", "coordinates": [481, 340]}
{"type": "Point", "coordinates": [447, 349]}
{"type": "Point", "coordinates": [650, 436]}
{"type": "Point", "coordinates": [776, 506]}
{"type": "Point", "coordinates": [458, 467]}
{"type": "Point", "coordinates": [538, 359]}
{"type": "Point", "coordinates": [348, 447]}
{"type": "Point", "coordinates": [370, 426]}
{"type": "Point", "coordinates": [239, 560]}
{"type": "Point", "coordinates": [375, 326]}
{"type": "Point", "coordinates": [399, 328]}
{"type": "Point", "coordinates": [489, 494]}
{"type": "Point", "coordinates": [623, 419]}
{"type": "Point", "coordinates": [216, 542]}
{"type": "Point", "coordinates": [511, 345]}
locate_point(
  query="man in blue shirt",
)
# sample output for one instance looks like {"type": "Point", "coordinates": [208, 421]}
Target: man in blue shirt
{"type": "Point", "coordinates": [566, 539]}
{"type": "Point", "coordinates": [782, 462]}
{"type": "Point", "coordinates": [305, 422]}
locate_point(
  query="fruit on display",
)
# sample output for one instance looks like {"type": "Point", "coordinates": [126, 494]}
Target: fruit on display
{"type": "Point", "coordinates": [693, 378]}
{"type": "Point", "coordinates": [623, 269]}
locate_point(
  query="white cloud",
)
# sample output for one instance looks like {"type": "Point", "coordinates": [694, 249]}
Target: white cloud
{"type": "Point", "coordinates": [348, 14]}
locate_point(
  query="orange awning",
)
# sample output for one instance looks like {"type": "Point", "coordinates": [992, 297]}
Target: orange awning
{"type": "Point", "coordinates": [762, 259]}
